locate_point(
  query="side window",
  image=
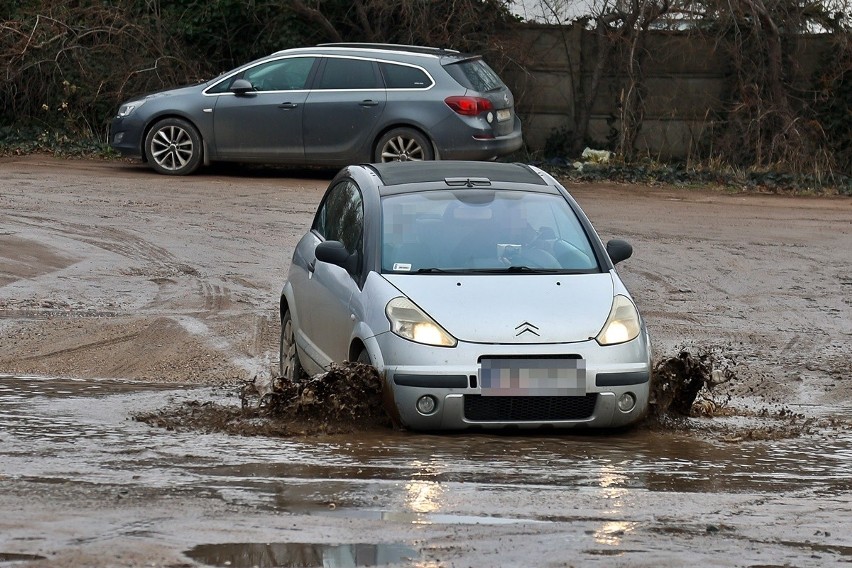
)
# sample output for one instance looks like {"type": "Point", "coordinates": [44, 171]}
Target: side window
{"type": "Point", "coordinates": [289, 74]}
{"type": "Point", "coordinates": [404, 77]}
{"type": "Point", "coordinates": [344, 73]}
{"type": "Point", "coordinates": [341, 216]}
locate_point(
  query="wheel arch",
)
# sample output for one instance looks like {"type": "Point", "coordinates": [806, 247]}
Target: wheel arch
{"type": "Point", "coordinates": [355, 348]}
{"type": "Point", "coordinates": [422, 131]}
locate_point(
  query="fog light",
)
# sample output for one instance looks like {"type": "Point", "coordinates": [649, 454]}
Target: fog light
{"type": "Point", "coordinates": [626, 402]}
{"type": "Point", "coordinates": [426, 404]}
{"type": "Point", "coordinates": [118, 138]}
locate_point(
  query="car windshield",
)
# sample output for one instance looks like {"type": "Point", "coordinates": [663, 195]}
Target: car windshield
{"type": "Point", "coordinates": [483, 231]}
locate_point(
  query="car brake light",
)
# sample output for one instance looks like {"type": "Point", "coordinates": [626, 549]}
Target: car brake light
{"type": "Point", "coordinates": [468, 106]}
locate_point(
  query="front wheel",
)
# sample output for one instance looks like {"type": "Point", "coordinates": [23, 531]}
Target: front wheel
{"type": "Point", "coordinates": [403, 145]}
{"type": "Point", "coordinates": [173, 147]}
{"type": "Point", "coordinates": [289, 367]}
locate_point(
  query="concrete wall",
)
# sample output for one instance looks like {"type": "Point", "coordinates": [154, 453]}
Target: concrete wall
{"type": "Point", "coordinates": [685, 80]}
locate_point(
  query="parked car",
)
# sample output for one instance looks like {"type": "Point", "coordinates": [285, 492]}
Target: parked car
{"type": "Point", "coordinates": [328, 105]}
{"type": "Point", "coordinates": [480, 291]}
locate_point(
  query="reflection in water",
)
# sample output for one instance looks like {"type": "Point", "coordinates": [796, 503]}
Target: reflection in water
{"type": "Point", "coordinates": [613, 491]}
{"type": "Point", "coordinates": [424, 496]}
{"type": "Point", "coordinates": [612, 532]}
{"type": "Point", "coordinates": [250, 555]}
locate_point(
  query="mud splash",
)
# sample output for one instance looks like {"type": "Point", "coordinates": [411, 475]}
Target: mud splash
{"type": "Point", "coordinates": [677, 382]}
{"type": "Point", "coordinates": [347, 398]}
{"type": "Point", "coordinates": [690, 391]}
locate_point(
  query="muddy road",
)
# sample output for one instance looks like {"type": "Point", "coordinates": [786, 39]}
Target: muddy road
{"type": "Point", "coordinates": [123, 292]}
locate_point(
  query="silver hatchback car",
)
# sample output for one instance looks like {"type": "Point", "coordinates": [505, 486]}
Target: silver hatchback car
{"type": "Point", "coordinates": [480, 292]}
{"type": "Point", "coordinates": [328, 105]}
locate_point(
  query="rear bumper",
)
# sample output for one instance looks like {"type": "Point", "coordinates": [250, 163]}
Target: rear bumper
{"type": "Point", "coordinates": [480, 147]}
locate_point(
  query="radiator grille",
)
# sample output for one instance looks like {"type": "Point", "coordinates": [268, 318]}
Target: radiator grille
{"type": "Point", "coordinates": [528, 408]}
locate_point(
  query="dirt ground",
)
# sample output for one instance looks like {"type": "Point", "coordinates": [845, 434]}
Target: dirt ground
{"type": "Point", "coordinates": [108, 270]}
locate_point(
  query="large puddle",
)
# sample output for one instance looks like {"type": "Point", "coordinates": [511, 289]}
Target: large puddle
{"type": "Point", "coordinates": [55, 430]}
{"type": "Point", "coordinates": [611, 490]}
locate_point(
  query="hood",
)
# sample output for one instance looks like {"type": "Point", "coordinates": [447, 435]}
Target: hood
{"type": "Point", "coordinates": [512, 309]}
{"type": "Point", "coordinates": [176, 91]}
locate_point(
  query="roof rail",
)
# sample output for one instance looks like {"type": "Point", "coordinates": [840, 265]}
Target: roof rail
{"type": "Point", "coordinates": [392, 47]}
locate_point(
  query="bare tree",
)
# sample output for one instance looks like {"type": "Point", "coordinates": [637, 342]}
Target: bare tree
{"type": "Point", "coordinates": [620, 29]}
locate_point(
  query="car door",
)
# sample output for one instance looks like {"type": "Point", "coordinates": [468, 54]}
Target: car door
{"type": "Point", "coordinates": [328, 296]}
{"type": "Point", "coordinates": [343, 110]}
{"type": "Point", "coordinates": [265, 124]}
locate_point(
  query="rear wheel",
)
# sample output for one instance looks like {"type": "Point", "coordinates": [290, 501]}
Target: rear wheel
{"type": "Point", "coordinates": [288, 358]}
{"type": "Point", "coordinates": [173, 147]}
{"type": "Point", "coordinates": [403, 145]}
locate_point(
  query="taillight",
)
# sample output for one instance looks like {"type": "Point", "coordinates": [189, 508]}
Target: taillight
{"type": "Point", "coordinates": [468, 106]}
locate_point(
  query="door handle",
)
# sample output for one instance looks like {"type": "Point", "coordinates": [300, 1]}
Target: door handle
{"type": "Point", "coordinates": [368, 103]}
{"type": "Point", "coordinates": [287, 105]}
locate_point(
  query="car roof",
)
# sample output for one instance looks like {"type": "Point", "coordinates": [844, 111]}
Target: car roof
{"type": "Point", "coordinates": [455, 174]}
{"type": "Point", "coordinates": [387, 49]}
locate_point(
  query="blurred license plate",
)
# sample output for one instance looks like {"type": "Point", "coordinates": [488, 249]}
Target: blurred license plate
{"type": "Point", "coordinates": [532, 377]}
{"type": "Point", "coordinates": [504, 115]}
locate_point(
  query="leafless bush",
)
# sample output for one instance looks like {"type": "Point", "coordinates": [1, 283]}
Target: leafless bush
{"type": "Point", "coordinates": [66, 66]}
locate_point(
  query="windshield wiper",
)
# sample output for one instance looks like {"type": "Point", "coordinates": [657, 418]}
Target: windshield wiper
{"type": "Point", "coordinates": [530, 270]}
{"type": "Point", "coordinates": [437, 271]}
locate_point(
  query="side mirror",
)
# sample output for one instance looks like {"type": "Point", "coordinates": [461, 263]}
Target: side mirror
{"type": "Point", "coordinates": [333, 252]}
{"type": "Point", "coordinates": [242, 87]}
{"type": "Point", "coordinates": [618, 250]}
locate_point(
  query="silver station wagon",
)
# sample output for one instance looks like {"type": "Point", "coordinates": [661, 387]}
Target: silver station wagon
{"type": "Point", "coordinates": [480, 292]}
{"type": "Point", "coordinates": [328, 105]}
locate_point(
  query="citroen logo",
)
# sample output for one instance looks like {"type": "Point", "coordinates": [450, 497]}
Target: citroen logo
{"type": "Point", "coordinates": [526, 327]}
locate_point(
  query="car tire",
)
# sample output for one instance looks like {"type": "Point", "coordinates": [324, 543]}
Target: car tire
{"type": "Point", "coordinates": [173, 147]}
{"type": "Point", "coordinates": [289, 366]}
{"type": "Point", "coordinates": [403, 145]}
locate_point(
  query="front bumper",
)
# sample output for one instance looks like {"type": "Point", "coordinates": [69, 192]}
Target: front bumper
{"type": "Point", "coordinates": [125, 136]}
{"type": "Point", "coordinates": [451, 377]}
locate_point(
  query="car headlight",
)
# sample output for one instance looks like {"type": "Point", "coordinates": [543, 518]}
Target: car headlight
{"type": "Point", "coordinates": [410, 322]}
{"type": "Point", "coordinates": [127, 108]}
{"type": "Point", "coordinates": [622, 324]}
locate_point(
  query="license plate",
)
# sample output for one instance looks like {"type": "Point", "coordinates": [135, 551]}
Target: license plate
{"type": "Point", "coordinates": [504, 115]}
{"type": "Point", "coordinates": [532, 377]}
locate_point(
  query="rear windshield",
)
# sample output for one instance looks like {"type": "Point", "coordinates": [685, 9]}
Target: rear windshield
{"type": "Point", "coordinates": [474, 74]}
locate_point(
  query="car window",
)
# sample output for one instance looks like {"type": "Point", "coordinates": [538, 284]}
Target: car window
{"type": "Point", "coordinates": [288, 74]}
{"type": "Point", "coordinates": [482, 229]}
{"type": "Point", "coordinates": [280, 75]}
{"type": "Point", "coordinates": [474, 74]}
{"type": "Point", "coordinates": [345, 73]}
{"type": "Point", "coordinates": [341, 216]}
{"type": "Point", "coordinates": [404, 77]}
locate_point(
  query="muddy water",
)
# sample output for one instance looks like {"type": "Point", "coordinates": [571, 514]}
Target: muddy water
{"type": "Point", "coordinates": [399, 498]}
{"type": "Point", "coordinates": [81, 429]}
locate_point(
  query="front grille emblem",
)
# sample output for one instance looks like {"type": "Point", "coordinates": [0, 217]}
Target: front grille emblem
{"type": "Point", "coordinates": [526, 327]}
